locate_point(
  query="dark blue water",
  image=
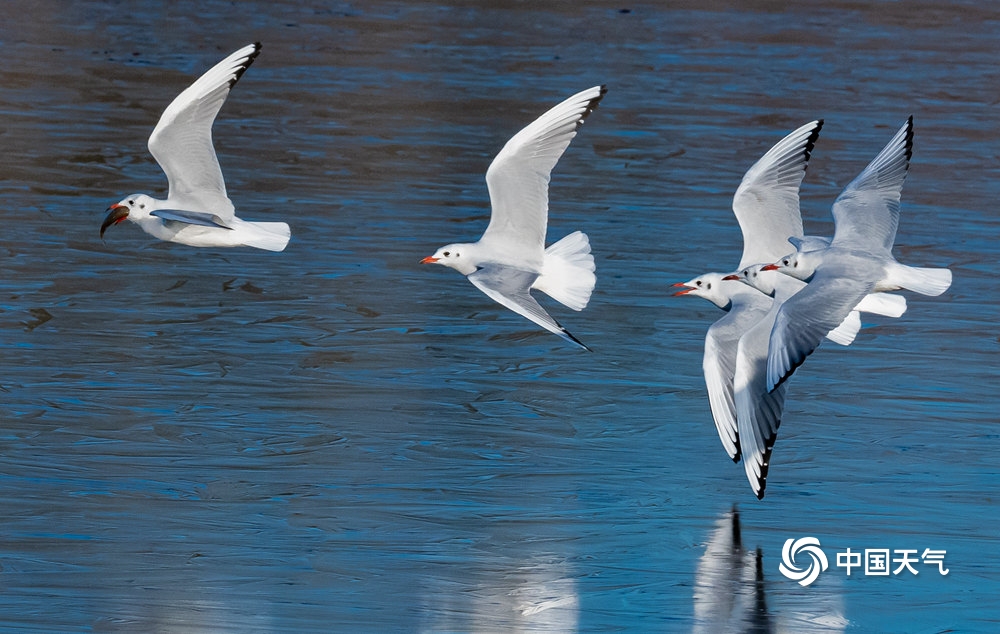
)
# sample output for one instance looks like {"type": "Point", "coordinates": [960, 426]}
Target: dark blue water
{"type": "Point", "coordinates": [336, 438]}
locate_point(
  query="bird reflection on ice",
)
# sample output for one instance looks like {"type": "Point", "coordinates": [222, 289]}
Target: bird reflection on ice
{"type": "Point", "coordinates": [182, 612]}
{"type": "Point", "coordinates": [731, 593]}
{"type": "Point", "coordinates": [539, 595]}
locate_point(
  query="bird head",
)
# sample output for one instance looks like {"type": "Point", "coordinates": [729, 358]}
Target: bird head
{"type": "Point", "coordinates": [709, 286]}
{"type": "Point", "coordinates": [801, 265]}
{"type": "Point", "coordinates": [456, 256]}
{"type": "Point", "coordinates": [751, 276]}
{"type": "Point", "coordinates": [135, 207]}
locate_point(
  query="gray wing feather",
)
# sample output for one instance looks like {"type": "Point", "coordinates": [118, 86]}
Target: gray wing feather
{"type": "Point", "coordinates": [191, 217]}
{"type": "Point", "coordinates": [766, 203]}
{"type": "Point", "coordinates": [758, 410]}
{"type": "Point", "coordinates": [510, 288]}
{"type": "Point", "coordinates": [867, 212]}
{"type": "Point", "coordinates": [805, 319]}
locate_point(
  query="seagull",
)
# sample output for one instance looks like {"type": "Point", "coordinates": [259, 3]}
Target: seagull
{"type": "Point", "coordinates": [766, 205]}
{"type": "Point", "coordinates": [510, 258]}
{"type": "Point", "coordinates": [197, 211]}
{"type": "Point", "coordinates": [858, 261]}
{"type": "Point", "coordinates": [744, 306]}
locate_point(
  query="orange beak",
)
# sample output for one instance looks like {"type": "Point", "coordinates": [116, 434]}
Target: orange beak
{"type": "Point", "coordinates": [687, 289]}
{"type": "Point", "coordinates": [430, 259]}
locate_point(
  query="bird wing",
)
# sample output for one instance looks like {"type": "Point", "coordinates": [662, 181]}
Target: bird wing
{"type": "Point", "coordinates": [809, 243]}
{"type": "Point", "coordinates": [806, 317]}
{"type": "Point", "coordinates": [510, 287]}
{"type": "Point", "coordinates": [191, 217]}
{"type": "Point", "coordinates": [758, 410]}
{"type": "Point", "coordinates": [767, 201]}
{"type": "Point", "coordinates": [719, 362]}
{"type": "Point", "coordinates": [518, 178]}
{"type": "Point", "coordinates": [867, 212]}
{"type": "Point", "coordinates": [182, 140]}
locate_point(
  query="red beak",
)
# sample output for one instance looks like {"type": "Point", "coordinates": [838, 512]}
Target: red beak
{"type": "Point", "coordinates": [687, 289]}
{"type": "Point", "coordinates": [430, 259]}
{"type": "Point", "coordinates": [732, 278]}
{"type": "Point", "coordinates": [769, 267]}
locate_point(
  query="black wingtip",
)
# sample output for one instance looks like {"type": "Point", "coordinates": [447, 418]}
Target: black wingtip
{"type": "Point", "coordinates": [788, 373]}
{"type": "Point", "coordinates": [580, 343]}
{"type": "Point", "coordinates": [592, 105]}
{"type": "Point", "coordinates": [909, 138]}
{"type": "Point", "coordinates": [569, 336]}
{"type": "Point", "coordinates": [811, 141]}
{"type": "Point", "coordinates": [243, 67]}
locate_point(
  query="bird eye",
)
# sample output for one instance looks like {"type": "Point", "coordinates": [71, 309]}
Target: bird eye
{"type": "Point", "coordinates": [698, 283]}
{"type": "Point", "coordinates": [446, 253]}
{"type": "Point", "coordinates": [131, 202]}
{"type": "Point", "coordinates": [785, 261]}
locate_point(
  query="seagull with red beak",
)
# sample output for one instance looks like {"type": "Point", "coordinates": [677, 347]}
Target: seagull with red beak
{"type": "Point", "coordinates": [511, 259]}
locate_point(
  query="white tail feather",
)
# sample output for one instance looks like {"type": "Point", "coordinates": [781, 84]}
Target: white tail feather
{"type": "Point", "coordinates": [885, 304]}
{"type": "Point", "coordinates": [845, 333]}
{"type": "Point", "coordinates": [271, 236]}
{"type": "Point", "coordinates": [568, 271]}
{"type": "Point", "coordinates": [919, 280]}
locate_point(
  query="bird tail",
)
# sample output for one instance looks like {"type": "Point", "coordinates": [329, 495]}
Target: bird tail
{"type": "Point", "coordinates": [272, 236]}
{"type": "Point", "coordinates": [845, 333]}
{"type": "Point", "coordinates": [920, 280]}
{"type": "Point", "coordinates": [568, 271]}
{"type": "Point", "coordinates": [885, 304]}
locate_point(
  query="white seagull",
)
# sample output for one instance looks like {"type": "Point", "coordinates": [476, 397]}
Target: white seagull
{"type": "Point", "coordinates": [197, 211]}
{"type": "Point", "coordinates": [510, 258]}
{"type": "Point", "coordinates": [858, 261]}
{"type": "Point", "coordinates": [766, 205]}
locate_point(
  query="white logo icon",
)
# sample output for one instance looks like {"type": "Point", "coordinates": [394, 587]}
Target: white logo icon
{"type": "Point", "coordinates": [817, 564]}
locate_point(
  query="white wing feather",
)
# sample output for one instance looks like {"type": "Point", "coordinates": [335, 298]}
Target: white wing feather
{"type": "Point", "coordinates": [518, 178]}
{"type": "Point", "coordinates": [182, 140]}
{"type": "Point", "coordinates": [867, 212]}
{"type": "Point", "coordinates": [766, 203]}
